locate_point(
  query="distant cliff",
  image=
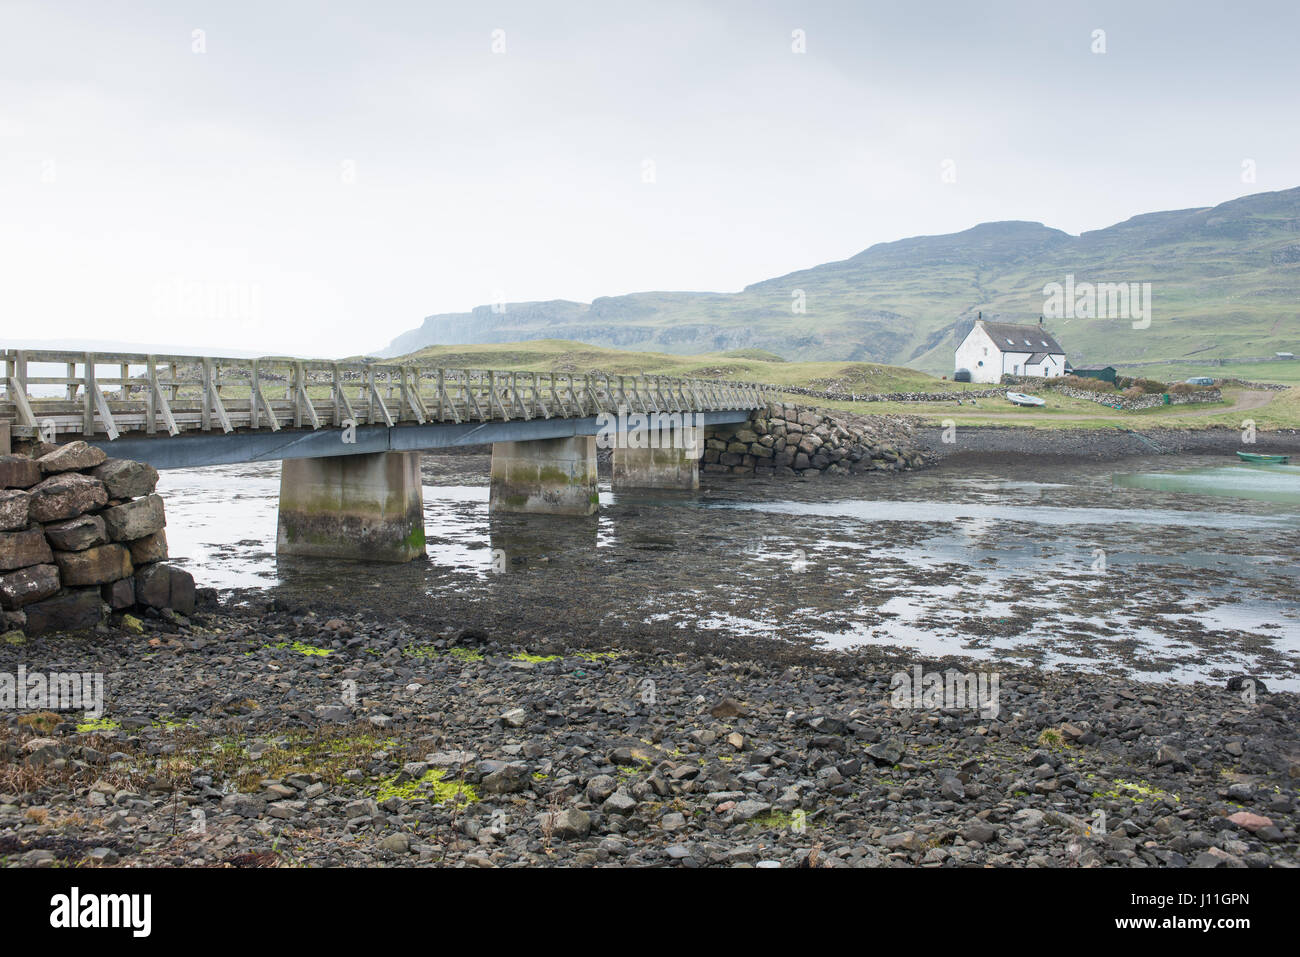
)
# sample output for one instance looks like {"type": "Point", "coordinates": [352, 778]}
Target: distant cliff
{"type": "Point", "coordinates": [1225, 282]}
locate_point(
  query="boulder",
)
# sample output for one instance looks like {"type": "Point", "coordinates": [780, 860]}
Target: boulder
{"type": "Point", "coordinates": [20, 549]}
{"type": "Point", "coordinates": [133, 520]}
{"type": "Point", "coordinates": [506, 780]}
{"type": "Point", "coordinates": [14, 505]}
{"type": "Point", "coordinates": [67, 496]}
{"type": "Point", "coordinates": [77, 534]}
{"type": "Point", "coordinates": [18, 471]}
{"type": "Point", "coordinates": [127, 479]}
{"type": "Point", "coordinates": [94, 566]}
{"type": "Point", "coordinates": [569, 823]}
{"type": "Point", "coordinates": [70, 611]}
{"type": "Point", "coordinates": [27, 585]}
{"type": "Point", "coordinates": [151, 548]}
{"type": "Point", "coordinates": [71, 458]}
{"type": "Point", "coordinates": [119, 594]}
{"type": "Point", "coordinates": [153, 586]}
{"type": "Point", "coordinates": [163, 586]}
{"type": "Point", "coordinates": [182, 591]}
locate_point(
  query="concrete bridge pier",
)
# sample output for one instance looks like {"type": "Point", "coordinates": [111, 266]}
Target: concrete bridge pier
{"type": "Point", "coordinates": [547, 476]}
{"type": "Point", "coordinates": [367, 507]}
{"type": "Point", "coordinates": [675, 465]}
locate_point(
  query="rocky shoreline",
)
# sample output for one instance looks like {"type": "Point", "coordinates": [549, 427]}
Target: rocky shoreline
{"type": "Point", "coordinates": [270, 736]}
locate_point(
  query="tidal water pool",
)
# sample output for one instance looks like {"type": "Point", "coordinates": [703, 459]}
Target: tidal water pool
{"type": "Point", "coordinates": [1155, 568]}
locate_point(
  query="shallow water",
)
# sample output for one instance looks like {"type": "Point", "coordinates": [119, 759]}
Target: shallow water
{"type": "Point", "coordinates": [1141, 570]}
{"type": "Point", "coordinates": [1265, 483]}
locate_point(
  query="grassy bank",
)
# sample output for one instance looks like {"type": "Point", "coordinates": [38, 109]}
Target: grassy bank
{"type": "Point", "coordinates": [1282, 372]}
{"type": "Point", "coordinates": [748, 365]}
{"type": "Point", "coordinates": [1281, 410]}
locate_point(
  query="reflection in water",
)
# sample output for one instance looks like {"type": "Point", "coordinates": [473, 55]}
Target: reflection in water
{"type": "Point", "coordinates": [525, 542]}
{"type": "Point", "coordinates": [990, 562]}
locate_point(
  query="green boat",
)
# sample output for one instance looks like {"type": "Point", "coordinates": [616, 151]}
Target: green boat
{"type": "Point", "coordinates": [1257, 459]}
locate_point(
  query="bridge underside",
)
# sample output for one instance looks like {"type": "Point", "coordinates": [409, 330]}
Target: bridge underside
{"type": "Point", "coordinates": [357, 494]}
{"type": "Point", "coordinates": [191, 450]}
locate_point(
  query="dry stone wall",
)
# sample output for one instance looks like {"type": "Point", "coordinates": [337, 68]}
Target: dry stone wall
{"type": "Point", "coordinates": [789, 440]}
{"type": "Point", "coordinates": [82, 536]}
{"type": "Point", "coordinates": [950, 396]}
{"type": "Point", "coordinates": [1117, 400]}
{"type": "Point", "coordinates": [1112, 398]}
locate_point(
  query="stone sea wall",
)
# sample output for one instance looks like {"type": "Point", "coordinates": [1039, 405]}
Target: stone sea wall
{"type": "Point", "coordinates": [788, 440]}
{"type": "Point", "coordinates": [82, 536]}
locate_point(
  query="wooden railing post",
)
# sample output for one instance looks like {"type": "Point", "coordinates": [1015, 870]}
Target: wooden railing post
{"type": "Point", "coordinates": [151, 390]}
{"type": "Point", "coordinates": [206, 405]}
{"type": "Point", "coordinates": [88, 397]}
{"type": "Point", "coordinates": [252, 395]}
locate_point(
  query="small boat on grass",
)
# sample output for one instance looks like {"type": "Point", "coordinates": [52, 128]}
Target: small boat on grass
{"type": "Point", "coordinates": [1019, 398]}
{"type": "Point", "coordinates": [1256, 458]}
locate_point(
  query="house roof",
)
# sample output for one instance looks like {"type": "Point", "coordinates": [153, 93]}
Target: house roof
{"type": "Point", "coordinates": [1010, 337]}
{"type": "Point", "coordinates": [1036, 358]}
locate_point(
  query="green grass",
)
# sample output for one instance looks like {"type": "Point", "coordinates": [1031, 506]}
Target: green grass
{"type": "Point", "coordinates": [1061, 412]}
{"type": "Point", "coordinates": [559, 355]}
{"type": "Point", "coordinates": [431, 787]}
{"type": "Point", "coordinates": [1065, 412]}
{"type": "Point", "coordinates": [1281, 372]}
{"type": "Point", "coordinates": [302, 648]}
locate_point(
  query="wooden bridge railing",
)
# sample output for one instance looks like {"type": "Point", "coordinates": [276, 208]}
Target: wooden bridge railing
{"type": "Point", "coordinates": [115, 393]}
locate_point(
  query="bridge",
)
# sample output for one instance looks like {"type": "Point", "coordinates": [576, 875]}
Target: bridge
{"type": "Point", "coordinates": [349, 433]}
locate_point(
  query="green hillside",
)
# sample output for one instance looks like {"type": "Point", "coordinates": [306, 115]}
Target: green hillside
{"type": "Point", "coordinates": [1225, 283]}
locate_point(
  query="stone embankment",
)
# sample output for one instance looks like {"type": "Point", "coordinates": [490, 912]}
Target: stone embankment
{"type": "Point", "coordinates": [788, 440]}
{"type": "Point", "coordinates": [81, 536]}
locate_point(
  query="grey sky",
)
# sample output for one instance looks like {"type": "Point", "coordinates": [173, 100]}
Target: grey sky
{"type": "Point", "coordinates": [155, 194]}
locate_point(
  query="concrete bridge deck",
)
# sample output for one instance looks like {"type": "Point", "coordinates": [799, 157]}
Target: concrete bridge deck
{"type": "Point", "coordinates": [348, 433]}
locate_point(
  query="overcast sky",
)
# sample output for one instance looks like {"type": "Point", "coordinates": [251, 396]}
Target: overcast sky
{"type": "Point", "coordinates": [315, 178]}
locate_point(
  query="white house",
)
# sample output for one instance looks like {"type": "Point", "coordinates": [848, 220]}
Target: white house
{"type": "Point", "coordinates": [991, 349]}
